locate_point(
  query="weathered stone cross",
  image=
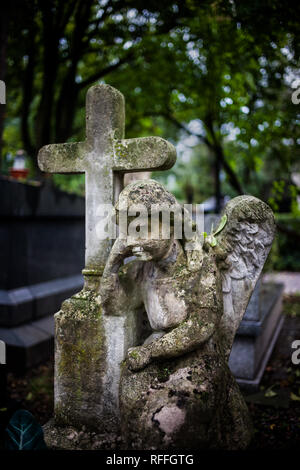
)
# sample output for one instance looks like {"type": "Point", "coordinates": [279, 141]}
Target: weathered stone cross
{"type": "Point", "coordinates": [104, 158]}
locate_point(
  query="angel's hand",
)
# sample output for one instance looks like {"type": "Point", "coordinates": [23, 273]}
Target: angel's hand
{"type": "Point", "coordinates": [122, 247]}
{"type": "Point", "coordinates": [138, 357]}
{"type": "Point", "coordinates": [119, 252]}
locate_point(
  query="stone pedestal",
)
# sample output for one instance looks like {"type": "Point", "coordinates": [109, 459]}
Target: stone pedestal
{"type": "Point", "coordinates": [257, 335]}
{"type": "Point", "coordinates": [89, 348]}
{"type": "Point", "coordinates": [80, 351]}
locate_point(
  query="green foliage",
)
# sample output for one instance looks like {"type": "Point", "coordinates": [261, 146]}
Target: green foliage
{"type": "Point", "coordinates": [284, 196]}
{"type": "Point", "coordinates": [229, 91]}
{"type": "Point", "coordinates": [212, 241]}
{"type": "Point", "coordinates": [191, 178]}
{"type": "Point", "coordinates": [215, 76]}
{"type": "Point", "coordinates": [74, 184]}
{"type": "Point", "coordinates": [11, 136]}
{"type": "Point", "coordinates": [221, 225]}
{"type": "Point", "coordinates": [291, 308]}
{"type": "Point", "coordinates": [285, 251]}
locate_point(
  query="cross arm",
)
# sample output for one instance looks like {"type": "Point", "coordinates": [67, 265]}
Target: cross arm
{"type": "Point", "coordinates": [146, 153]}
{"type": "Point", "coordinates": [62, 158]}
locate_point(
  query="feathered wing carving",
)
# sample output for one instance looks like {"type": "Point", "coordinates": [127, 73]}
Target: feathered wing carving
{"type": "Point", "coordinates": [246, 239]}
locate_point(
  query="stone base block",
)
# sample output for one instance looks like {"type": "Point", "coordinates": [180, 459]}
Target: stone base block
{"type": "Point", "coordinates": [80, 352]}
{"type": "Point", "coordinates": [89, 350]}
{"type": "Point", "coordinates": [28, 345]}
{"type": "Point", "coordinates": [71, 438]}
{"type": "Point", "coordinates": [26, 304]}
{"type": "Point", "coordinates": [27, 322]}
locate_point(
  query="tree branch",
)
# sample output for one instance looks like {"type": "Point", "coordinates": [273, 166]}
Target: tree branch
{"type": "Point", "coordinates": [219, 152]}
{"type": "Point", "coordinates": [105, 71]}
{"type": "Point", "coordinates": [215, 147]}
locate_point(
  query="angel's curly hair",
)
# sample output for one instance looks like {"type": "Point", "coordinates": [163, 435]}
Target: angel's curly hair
{"type": "Point", "coordinates": [155, 197]}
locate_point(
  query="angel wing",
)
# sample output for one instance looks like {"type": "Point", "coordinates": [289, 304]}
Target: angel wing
{"type": "Point", "coordinates": [246, 238]}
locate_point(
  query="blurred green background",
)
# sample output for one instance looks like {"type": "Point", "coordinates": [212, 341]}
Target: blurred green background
{"type": "Point", "coordinates": [214, 77]}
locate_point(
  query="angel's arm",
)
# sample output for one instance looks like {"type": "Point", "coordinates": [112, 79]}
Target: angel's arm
{"type": "Point", "coordinates": [113, 295]}
{"type": "Point", "coordinates": [202, 321]}
{"type": "Point", "coordinates": [186, 337]}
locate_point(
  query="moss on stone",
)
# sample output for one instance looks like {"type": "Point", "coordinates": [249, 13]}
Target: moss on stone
{"type": "Point", "coordinates": [80, 356]}
{"type": "Point", "coordinates": [134, 354]}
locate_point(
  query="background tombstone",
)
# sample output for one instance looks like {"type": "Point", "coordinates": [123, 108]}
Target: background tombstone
{"type": "Point", "coordinates": [42, 240]}
{"type": "Point", "coordinates": [90, 346]}
{"type": "Point", "coordinates": [257, 335]}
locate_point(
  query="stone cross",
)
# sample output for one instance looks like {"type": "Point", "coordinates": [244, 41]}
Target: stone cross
{"type": "Point", "coordinates": [104, 157]}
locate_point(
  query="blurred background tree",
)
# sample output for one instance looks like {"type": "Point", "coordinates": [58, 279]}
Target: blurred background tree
{"type": "Point", "coordinates": [215, 77]}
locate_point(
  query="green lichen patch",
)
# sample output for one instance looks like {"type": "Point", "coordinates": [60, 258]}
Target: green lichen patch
{"type": "Point", "coordinates": [146, 153]}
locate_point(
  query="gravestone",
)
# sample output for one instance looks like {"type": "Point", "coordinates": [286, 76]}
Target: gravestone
{"type": "Point", "coordinates": [42, 241]}
{"type": "Point", "coordinates": [88, 345]}
{"type": "Point", "coordinates": [175, 388]}
{"type": "Point", "coordinates": [257, 335]}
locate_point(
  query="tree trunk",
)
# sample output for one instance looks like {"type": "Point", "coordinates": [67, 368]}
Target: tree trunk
{"type": "Point", "coordinates": [66, 104]}
{"type": "Point", "coordinates": [27, 96]}
{"type": "Point", "coordinates": [220, 160]}
{"type": "Point", "coordinates": [232, 178]}
{"type": "Point", "coordinates": [50, 66]}
{"type": "Point", "coordinates": [218, 194]}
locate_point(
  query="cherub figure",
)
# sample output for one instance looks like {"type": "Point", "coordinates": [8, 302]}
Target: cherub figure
{"type": "Point", "coordinates": [176, 388]}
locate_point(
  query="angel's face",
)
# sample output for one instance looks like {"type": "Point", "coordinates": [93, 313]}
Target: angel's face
{"type": "Point", "coordinates": [146, 248]}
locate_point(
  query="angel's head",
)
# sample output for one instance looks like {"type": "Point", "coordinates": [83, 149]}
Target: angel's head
{"type": "Point", "coordinates": [154, 219]}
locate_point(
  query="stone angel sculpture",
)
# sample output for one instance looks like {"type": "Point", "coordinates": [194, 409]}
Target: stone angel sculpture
{"type": "Point", "coordinates": [176, 389]}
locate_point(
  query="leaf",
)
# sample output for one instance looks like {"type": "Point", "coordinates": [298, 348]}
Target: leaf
{"type": "Point", "coordinates": [212, 241]}
{"type": "Point", "coordinates": [24, 433]}
{"type": "Point", "coordinates": [294, 397]}
{"type": "Point", "coordinates": [270, 394]}
{"type": "Point", "coordinates": [221, 225]}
